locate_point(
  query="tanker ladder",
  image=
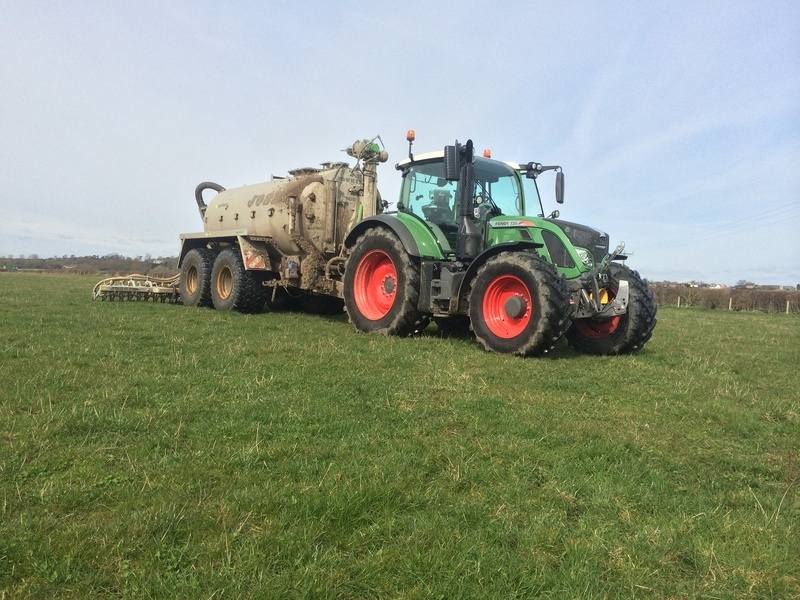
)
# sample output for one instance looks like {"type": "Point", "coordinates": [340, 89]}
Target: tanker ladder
{"type": "Point", "coordinates": [138, 287]}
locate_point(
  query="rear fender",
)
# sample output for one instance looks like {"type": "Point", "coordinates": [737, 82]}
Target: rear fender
{"type": "Point", "coordinates": [417, 239]}
{"type": "Point", "coordinates": [186, 246]}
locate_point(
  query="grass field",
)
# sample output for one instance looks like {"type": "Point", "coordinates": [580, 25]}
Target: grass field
{"type": "Point", "coordinates": [160, 451]}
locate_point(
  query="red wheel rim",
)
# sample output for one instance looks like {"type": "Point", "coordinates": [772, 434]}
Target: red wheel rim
{"type": "Point", "coordinates": [597, 329]}
{"type": "Point", "coordinates": [375, 285]}
{"type": "Point", "coordinates": [505, 293]}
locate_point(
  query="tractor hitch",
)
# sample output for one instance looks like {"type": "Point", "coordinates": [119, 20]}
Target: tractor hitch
{"type": "Point", "coordinates": [586, 306]}
{"type": "Point", "coordinates": [589, 304]}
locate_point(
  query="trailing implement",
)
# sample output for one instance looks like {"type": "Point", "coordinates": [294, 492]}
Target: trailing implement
{"type": "Point", "coordinates": [468, 247]}
{"type": "Point", "coordinates": [138, 287]}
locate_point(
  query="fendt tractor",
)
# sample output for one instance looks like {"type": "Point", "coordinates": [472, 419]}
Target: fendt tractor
{"type": "Point", "coordinates": [468, 247]}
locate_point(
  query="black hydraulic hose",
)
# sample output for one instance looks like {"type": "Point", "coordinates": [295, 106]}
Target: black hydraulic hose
{"type": "Point", "coordinates": [198, 194]}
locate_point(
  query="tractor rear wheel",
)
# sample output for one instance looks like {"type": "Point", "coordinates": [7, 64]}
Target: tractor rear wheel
{"type": "Point", "coordinates": [381, 285]}
{"type": "Point", "coordinates": [621, 334]}
{"type": "Point", "coordinates": [195, 282]}
{"type": "Point", "coordinates": [518, 304]}
{"type": "Point", "coordinates": [232, 286]}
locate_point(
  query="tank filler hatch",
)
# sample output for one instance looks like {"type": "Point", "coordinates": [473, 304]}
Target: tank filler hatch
{"type": "Point", "coordinates": [304, 171]}
{"type": "Point", "coordinates": [332, 164]}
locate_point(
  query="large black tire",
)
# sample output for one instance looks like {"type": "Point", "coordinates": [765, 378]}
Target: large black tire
{"type": "Point", "coordinates": [233, 287]}
{"type": "Point", "coordinates": [195, 283]}
{"type": "Point", "coordinates": [398, 315]}
{"type": "Point", "coordinates": [532, 323]}
{"type": "Point", "coordinates": [627, 333]}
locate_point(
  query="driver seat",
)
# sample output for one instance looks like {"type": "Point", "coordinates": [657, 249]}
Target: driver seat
{"type": "Point", "coordinates": [439, 211]}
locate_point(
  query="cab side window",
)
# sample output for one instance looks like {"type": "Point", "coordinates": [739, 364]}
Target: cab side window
{"type": "Point", "coordinates": [427, 194]}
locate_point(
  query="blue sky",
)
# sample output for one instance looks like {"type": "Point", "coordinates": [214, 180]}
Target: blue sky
{"type": "Point", "coordinates": [678, 125]}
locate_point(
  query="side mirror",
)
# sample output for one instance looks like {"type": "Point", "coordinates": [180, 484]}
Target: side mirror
{"type": "Point", "coordinates": [560, 187]}
{"type": "Point", "coordinates": [452, 163]}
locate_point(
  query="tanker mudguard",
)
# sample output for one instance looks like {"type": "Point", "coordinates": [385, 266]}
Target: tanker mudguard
{"type": "Point", "coordinates": [200, 239]}
{"type": "Point", "coordinates": [390, 222]}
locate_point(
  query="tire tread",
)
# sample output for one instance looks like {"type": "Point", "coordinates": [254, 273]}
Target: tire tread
{"type": "Point", "coordinates": [204, 267]}
{"type": "Point", "coordinates": [642, 320]}
{"type": "Point", "coordinates": [554, 302]}
{"type": "Point", "coordinates": [408, 319]}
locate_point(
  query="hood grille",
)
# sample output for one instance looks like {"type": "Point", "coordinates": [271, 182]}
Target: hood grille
{"type": "Point", "coordinates": [593, 240]}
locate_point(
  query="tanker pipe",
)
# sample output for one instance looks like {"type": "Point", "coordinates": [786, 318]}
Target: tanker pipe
{"type": "Point", "coordinates": [198, 194]}
{"type": "Point", "coordinates": [332, 209]}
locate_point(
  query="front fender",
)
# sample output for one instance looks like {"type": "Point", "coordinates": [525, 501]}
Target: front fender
{"type": "Point", "coordinates": [472, 270]}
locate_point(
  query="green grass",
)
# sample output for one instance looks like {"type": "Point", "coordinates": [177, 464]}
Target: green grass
{"type": "Point", "coordinates": [160, 451]}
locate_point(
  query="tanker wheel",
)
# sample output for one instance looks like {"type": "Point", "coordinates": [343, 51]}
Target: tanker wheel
{"type": "Point", "coordinates": [621, 334]}
{"type": "Point", "coordinates": [381, 285]}
{"type": "Point", "coordinates": [518, 304]}
{"type": "Point", "coordinates": [233, 287]}
{"type": "Point", "coordinates": [195, 282]}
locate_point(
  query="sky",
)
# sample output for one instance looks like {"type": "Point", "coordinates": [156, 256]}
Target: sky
{"type": "Point", "coordinates": [677, 124]}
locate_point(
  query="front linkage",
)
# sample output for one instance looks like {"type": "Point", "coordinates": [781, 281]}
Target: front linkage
{"type": "Point", "coordinates": [585, 306]}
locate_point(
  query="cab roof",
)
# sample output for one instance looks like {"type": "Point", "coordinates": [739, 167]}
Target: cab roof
{"type": "Point", "coordinates": [439, 154]}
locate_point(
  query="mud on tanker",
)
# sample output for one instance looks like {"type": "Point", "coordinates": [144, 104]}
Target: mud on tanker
{"type": "Point", "coordinates": [468, 246]}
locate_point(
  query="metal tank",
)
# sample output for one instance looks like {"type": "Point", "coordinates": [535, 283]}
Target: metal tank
{"type": "Point", "coordinates": [293, 226]}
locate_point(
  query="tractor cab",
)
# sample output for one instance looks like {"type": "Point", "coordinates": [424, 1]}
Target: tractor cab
{"type": "Point", "coordinates": [496, 190]}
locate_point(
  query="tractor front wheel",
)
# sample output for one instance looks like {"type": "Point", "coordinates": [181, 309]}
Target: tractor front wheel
{"type": "Point", "coordinates": [234, 287]}
{"type": "Point", "coordinates": [518, 304]}
{"type": "Point", "coordinates": [621, 334]}
{"type": "Point", "coordinates": [381, 285]}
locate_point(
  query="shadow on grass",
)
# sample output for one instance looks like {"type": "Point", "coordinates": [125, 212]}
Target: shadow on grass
{"type": "Point", "coordinates": [463, 334]}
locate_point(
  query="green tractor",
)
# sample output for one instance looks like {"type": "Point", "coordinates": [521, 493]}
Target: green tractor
{"type": "Point", "coordinates": [470, 247]}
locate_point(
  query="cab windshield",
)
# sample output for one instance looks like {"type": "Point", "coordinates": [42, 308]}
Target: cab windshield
{"type": "Point", "coordinates": [532, 196]}
{"type": "Point", "coordinates": [497, 185]}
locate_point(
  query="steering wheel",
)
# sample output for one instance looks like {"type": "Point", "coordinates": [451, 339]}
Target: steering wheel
{"type": "Point", "coordinates": [484, 208]}
{"type": "Point", "coordinates": [487, 198]}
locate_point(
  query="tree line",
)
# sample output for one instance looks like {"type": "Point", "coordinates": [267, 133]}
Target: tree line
{"type": "Point", "coordinates": [736, 298]}
{"type": "Point", "coordinates": [111, 264]}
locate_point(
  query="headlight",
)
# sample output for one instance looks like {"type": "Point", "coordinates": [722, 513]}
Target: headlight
{"type": "Point", "coordinates": [585, 256]}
